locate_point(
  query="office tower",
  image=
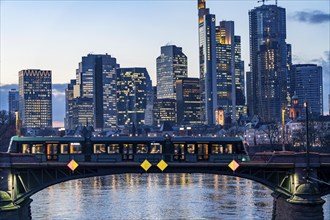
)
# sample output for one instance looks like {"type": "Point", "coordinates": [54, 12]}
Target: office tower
{"type": "Point", "coordinates": [96, 77]}
{"type": "Point", "coordinates": [149, 111]}
{"type": "Point", "coordinates": [13, 101]}
{"type": "Point", "coordinates": [230, 70]}
{"type": "Point", "coordinates": [167, 112]}
{"type": "Point", "coordinates": [156, 118]}
{"type": "Point", "coordinates": [171, 66]}
{"type": "Point", "coordinates": [82, 112]}
{"type": "Point", "coordinates": [207, 63]}
{"type": "Point", "coordinates": [35, 98]}
{"type": "Point", "coordinates": [307, 84]}
{"type": "Point", "coordinates": [69, 100]}
{"type": "Point", "coordinates": [188, 101]}
{"type": "Point", "coordinates": [133, 90]}
{"type": "Point", "coordinates": [268, 62]}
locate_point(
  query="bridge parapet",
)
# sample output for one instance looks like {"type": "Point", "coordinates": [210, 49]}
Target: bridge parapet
{"type": "Point", "coordinates": [284, 173]}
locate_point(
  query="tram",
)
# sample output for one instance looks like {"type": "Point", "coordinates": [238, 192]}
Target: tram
{"type": "Point", "coordinates": [134, 149]}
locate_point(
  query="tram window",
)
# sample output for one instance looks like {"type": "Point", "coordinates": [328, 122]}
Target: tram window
{"type": "Point", "coordinates": [156, 148]}
{"type": "Point", "coordinates": [25, 148]}
{"type": "Point", "coordinates": [178, 148]}
{"type": "Point", "coordinates": [229, 149]}
{"type": "Point", "coordinates": [141, 149]}
{"type": "Point", "coordinates": [217, 149]}
{"type": "Point", "coordinates": [64, 148]}
{"type": "Point", "coordinates": [191, 148]}
{"type": "Point", "coordinates": [52, 148]}
{"type": "Point", "coordinates": [113, 149]}
{"type": "Point", "coordinates": [128, 148]}
{"type": "Point", "coordinates": [38, 149]}
{"type": "Point", "coordinates": [75, 148]}
{"type": "Point", "coordinates": [99, 148]}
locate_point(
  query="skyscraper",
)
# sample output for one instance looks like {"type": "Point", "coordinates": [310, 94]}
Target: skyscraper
{"type": "Point", "coordinates": [69, 123]}
{"type": "Point", "coordinates": [188, 101]}
{"type": "Point", "coordinates": [171, 66]}
{"type": "Point", "coordinates": [230, 75]}
{"type": "Point", "coordinates": [13, 101]}
{"type": "Point", "coordinates": [308, 86]}
{"type": "Point", "coordinates": [96, 78]}
{"type": "Point", "coordinates": [207, 63]}
{"type": "Point", "coordinates": [35, 98]}
{"type": "Point", "coordinates": [133, 90]}
{"type": "Point", "coordinates": [268, 62]}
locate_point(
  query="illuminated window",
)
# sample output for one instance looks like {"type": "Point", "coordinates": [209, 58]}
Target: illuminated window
{"type": "Point", "coordinates": [113, 149]}
{"type": "Point", "coordinates": [75, 148]}
{"type": "Point", "coordinates": [25, 148]}
{"type": "Point", "coordinates": [64, 149]}
{"type": "Point", "coordinates": [191, 148]}
{"type": "Point", "coordinates": [38, 149]}
{"type": "Point", "coordinates": [217, 149]}
{"type": "Point", "coordinates": [228, 149]}
{"type": "Point", "coordinates": [156, 148]}
{"type": "Point", "coordinates": [141, 149]}
{"type": "Point", "coordinates": [99, 148]}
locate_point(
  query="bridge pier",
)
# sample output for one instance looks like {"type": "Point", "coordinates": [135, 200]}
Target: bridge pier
{"type": "Point", "coordinates": [14, 212]}
{"type": "Point", "coordinates": [305, 202]}
{"type": "Point", "coordinates": [283, 209]}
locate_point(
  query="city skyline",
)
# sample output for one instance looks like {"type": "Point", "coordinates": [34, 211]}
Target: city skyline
{"type": "Point", "coordinates": [57, 27]}
{"type": "Point", "coordinates": [49, 27]}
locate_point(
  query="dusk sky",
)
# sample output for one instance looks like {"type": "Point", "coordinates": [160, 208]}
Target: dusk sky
{"type": "Point", "coordinates": [54, 35]}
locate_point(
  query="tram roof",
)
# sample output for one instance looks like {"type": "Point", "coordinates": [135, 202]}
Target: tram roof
{"type": "Point", "coordinates": [128, 138]}
{"type": "Point", "coordinates": [48, 138]}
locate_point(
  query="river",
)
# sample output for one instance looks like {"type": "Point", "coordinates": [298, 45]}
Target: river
{"type": "Point", "coordinates": [156, 196]}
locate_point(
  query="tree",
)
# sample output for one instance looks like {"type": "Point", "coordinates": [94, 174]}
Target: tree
{"type": "Point", "coordinates": [272, 132]}
{"type": "Point", "coordinates": [7, 129]}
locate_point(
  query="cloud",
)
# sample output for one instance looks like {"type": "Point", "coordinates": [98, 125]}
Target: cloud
{"type": "Point", "coordinates": [312, 17]}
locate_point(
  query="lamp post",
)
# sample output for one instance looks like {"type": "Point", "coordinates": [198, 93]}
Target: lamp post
{"type": "Point", "coordinates": [307, 134]}
{"type": "Point", "coordinates": [283, 126]}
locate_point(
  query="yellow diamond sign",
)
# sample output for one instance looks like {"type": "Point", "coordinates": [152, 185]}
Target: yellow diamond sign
{"type": "Point", "coordinates": [72, 165]}
{"type": "Point", "coordinates": [146, 165]}
{"type": "Point", "coordinates": [233, 165]}
{"type": "Point", "coordinates": [162, 165]}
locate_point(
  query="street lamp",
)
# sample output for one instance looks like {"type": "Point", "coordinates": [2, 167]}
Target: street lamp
{"type": "Point", "coordinates": [283, 126]}
{"type": "Point", "coordinates": [307, 134]}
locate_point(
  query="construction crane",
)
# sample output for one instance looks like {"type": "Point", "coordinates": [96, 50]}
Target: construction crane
{"type": "Point", "coordinates": [263, 1]}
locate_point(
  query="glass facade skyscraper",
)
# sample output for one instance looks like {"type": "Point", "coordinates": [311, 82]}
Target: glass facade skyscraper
{"type": "Point", "coordinates": [96, 77]}
{"type": "Point", "coordinates": [207, 63]}
{"type": "Point", "coordinates": [172, 65]}
{"type": "Point", "coordinates": [230, 75]}
{"type": "Point", "coordinates": [13, 101]}
{"type": "Point", "coordinates": [307, 85]}
{"type": "Point", "coordinates": [134, 89]}
{"type": "Point", "coordinates": [268, 61]}
{"type": "Point", "coordinates": [35, 98]}
{"type": "Point", "coordinates": [188, 101]}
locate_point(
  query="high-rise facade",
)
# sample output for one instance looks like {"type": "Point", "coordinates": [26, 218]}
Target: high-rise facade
{"type": "Point", "coordinates": [171, 65]}
{"type": "Point", "coordinates": [69, 97]}
{"type": "Point", "coordinates": [230, 71]}
{"type": "Point", "coordinates": [207, 63]}
{"type": "Point", "coordinates": [96, 78]}
{"type": "Point", "coordinates": [188, 101]}
{"type": "Point", "coordinates": [35, 98]}
{"type": "Point", "coordinates": [13, 101]}
{"type": "Point", "coordinates": [307, 85]}
{"type": "Point", "coordinates": [134, 89]}
{"type": "Point", "coordinates": [269, 61]}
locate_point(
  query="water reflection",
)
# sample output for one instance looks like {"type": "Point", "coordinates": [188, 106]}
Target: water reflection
{"type": "Point", "coordinates": [156, 196]}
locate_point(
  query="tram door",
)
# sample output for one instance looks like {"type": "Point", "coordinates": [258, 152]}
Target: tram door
{"type": "Point", "coordinates": [52, 152]}
{"type": "Point", "coordinates": [178, 152]}
{"type": "Point", "coordinates": [128, 153]}
{"type": "Point", "coordinates": [203, 151]}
